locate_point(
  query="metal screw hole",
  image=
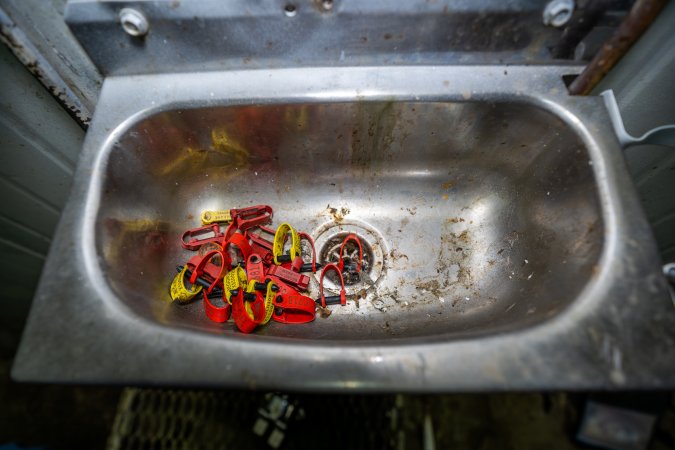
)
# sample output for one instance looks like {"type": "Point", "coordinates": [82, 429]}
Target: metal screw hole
{"type": "Point", "coordinates": [133, 22]}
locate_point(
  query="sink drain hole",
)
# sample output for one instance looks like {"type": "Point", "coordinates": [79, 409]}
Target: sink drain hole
{"type": "Point", "coordinates": [329, 238]}
{"type": "Point", "coordinates": [330, 253]}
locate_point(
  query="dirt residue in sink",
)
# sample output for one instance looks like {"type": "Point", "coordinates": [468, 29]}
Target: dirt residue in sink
{"type": "Point", "coordinates": [454, 220]}
{"type": "Point", "coordinates": [395, 255]}
{"type": "Point", "coordinates": [432, 286]}
{"type": "Point", "coordinates": [361, 295]}
{"type": "Point", "coordinates": [453, 265]}
{"type": "Point", "coordinates": [338, 214]}
{"type": "Point", "coordinates": [323, 312]}
{"type": "Point", "coordinates": [464, 276]}
{"type": "Point", "coordinates": [463, 237]}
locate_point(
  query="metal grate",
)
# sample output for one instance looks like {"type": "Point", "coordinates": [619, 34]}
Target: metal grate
{"type": "Point", "coordinates": [167, 419]}
{"type": "Point", "coordinates": [153, 419]}
{"type": "Point", "coordinates": [200, 419]}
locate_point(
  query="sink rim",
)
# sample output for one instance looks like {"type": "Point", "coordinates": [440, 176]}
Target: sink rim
{"type": "Point", "coordinates": [366, 365]}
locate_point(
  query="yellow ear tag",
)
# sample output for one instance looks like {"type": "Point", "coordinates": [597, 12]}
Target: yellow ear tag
{"type": "Point", "coordinates": [235, 279]}
{"type": "Point", "coordinates": [209, 217]}
{"type": "Point", "coordinates": [178, 290]}
{"type": "Point", "coordinates": [280, 237]}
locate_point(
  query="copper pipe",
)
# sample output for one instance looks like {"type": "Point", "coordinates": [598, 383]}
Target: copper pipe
{"type": "Point", "coordinates": [641, 15]}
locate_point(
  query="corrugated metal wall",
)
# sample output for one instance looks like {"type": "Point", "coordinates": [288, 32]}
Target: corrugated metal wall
{"type": "Point", "coordinates": [644, 85]}
{"type": "Point", "coordinates": [39, 145]}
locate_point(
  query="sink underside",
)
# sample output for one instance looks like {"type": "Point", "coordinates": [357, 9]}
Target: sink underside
{"type": "Point", "coordinates": [476, 214]}
{"type": "Point", "coordinates": [507, 246]}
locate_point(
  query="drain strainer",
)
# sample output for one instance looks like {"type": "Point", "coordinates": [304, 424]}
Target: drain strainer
{"type": "Point", "coordinates": [328, 242]}
{"type": "Point", "coordinates": [330, 253]}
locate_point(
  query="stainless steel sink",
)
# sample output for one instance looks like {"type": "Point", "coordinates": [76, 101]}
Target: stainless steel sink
{"type": "Point", "coordinates": [505, 244]}
{"type": "Point", "coordinates": [473, 215]}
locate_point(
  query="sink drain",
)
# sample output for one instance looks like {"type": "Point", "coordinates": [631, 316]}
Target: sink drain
{"type": "Point", "coordinates": [328, 242]}
{"type": "Point", "coordinates": [330, 253]}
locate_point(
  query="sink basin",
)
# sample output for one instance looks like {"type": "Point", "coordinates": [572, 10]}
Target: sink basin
{"type": "Point", "coordinates": [504, 243]}
{"type": "Point", "coordinates": [474, 213]}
